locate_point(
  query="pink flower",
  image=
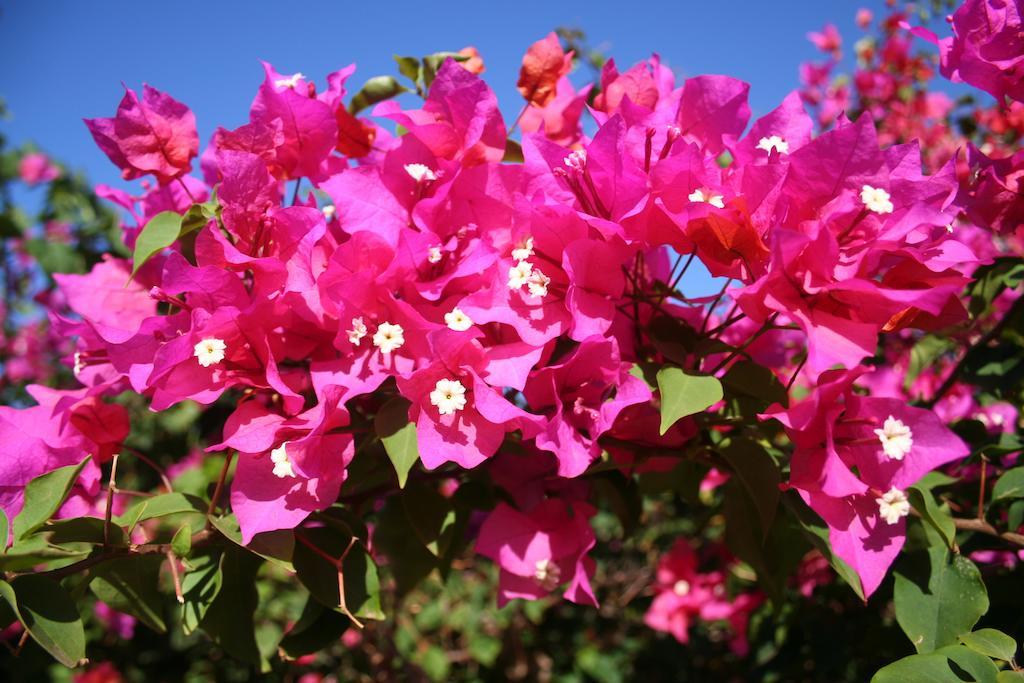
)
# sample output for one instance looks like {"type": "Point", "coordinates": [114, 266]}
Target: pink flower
{"type": "Point", "coordinates": [540, 550]}
{"type": "Point", "coordinates": [828, 40]}
{"type": "Point", "coordinates": [35, 168]}
{"type": "Point", "coordinates": [154, 135]}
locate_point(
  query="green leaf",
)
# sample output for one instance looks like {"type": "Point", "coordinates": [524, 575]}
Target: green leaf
{"type": "Point", "coordinates": [229, 618]}
{"type": "Point", "coordinates": [979, 667]}
{"type": "Point", "coordinates": [747, 378]}
{"type": "Point", "coordinates": [991, 643]}
{"type": "Point", "coordinates": [434, 662]}
{"type": "Point", "coordinates": [938, 597]}
{"type": "Point", "coordinates": [759, 474]}
{"type": "Point", "coordinates": [274, 546]}
{"type": "Point", "coordinates": [937, 516]}
{"type": "Point", "coordinates": [43, 496]}
{"type": "Point", "coordinates": [317, 628]}
{"type": "Point", "coordinates": [1010, 485]}
{"type": "Point", "coordinates": [162, 505]}
{"type": "Point", "coordinates": [197, 216]}
{"type": "Point", "coordinates": [5, 528]}
{"type": "Point", "coordinates": [377, 89]}
{"type": "Point", "coordinates": [513, 152]}
{"type": "Point", "coordinates": [1010, 677]}
{"type": "Point", "coordinates": [81, 530]}
{"type": "Point", "coordinates": [181, 543]}
{"type": "Point", "coordinates": [398, 435]}
{"type": "Point", "coordinates": [929, 668]}
{"type": "Point", "coordinates": [129, 585]}
{"type": "Point", "coordinates": [49, 615]}
{"type": "Point", "coordinates": [200, 586]}
{"type": "Point", "coordinates": [359, 573]}
{"type": "Point", "coordinates": [160, 232]}
{"type": "Point", "coordinates": [683, 395]}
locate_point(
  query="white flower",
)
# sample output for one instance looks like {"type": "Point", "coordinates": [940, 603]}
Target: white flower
{"type": "Point", "coordinates": [538, 283]}
{"type": "Point", "coordinates": [282, 464]}
{"type": "Point", "coordinates": [289, 82]}
{"type": "Point", "coordinates": [434, 255]}
{"type": "Point", "coordinates": [773, 142]}
{"type": "Point", "coordinates": [681, 587]}
{"type": "Point", "coordinates": [576, 160]}
{"type": "Point", "coordinates": [388, 337]}
{"type": "Point", "coordinates": [519, 275]}
{"type": "Point", "coordinates": [210, 351]}
{"type": "Point", "coordinates": [548, 574]}
{"type": "Point", "coordinates": [876, 199]}
{"type": "Point", "coordinates": [703, 196]}
{"type": "Point", "coordinates": [525, 251]}
{"type": "Point", "coordinates": [79, 363]}
{"type": "Point", "coordinates": [420, 172]}
{"type": "Point", "coordinates": [892, 505]}
{"type": "Point", "coordinates": [329, 211]}
{"type": "Point", "coordinates": [449, 396]}
{"type": "Point", "coordinates": [358, 331]}
{"type": "Point", "coordinates": [457, 320]}
{"type": "Point", "coordinates": [896, 438]}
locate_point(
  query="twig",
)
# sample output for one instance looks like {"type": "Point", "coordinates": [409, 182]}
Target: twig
{"type": "Point", "coordinates": [740, 349]}
{"type": "Point", "coordinates": [981, 489]}
{"type": "Point", "coordinates": [220, 487]}
{"type": "Point", "coordinates": [110, 503]}
{"type": "Point", "coordinates": [156, 468]}
{"type": "Point", "coordinates": [711, 308]}
{"type": "Point", "coordinates": [984, 527]}
{"type": "Point", "coordinates": [172, 561]}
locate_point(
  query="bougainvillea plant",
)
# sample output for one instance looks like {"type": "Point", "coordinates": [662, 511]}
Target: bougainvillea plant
{"type": "Point", "coordinates": [364, 359]}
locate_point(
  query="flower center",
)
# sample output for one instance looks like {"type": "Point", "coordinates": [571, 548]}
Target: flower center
{"type": "Point", "coordinates": [681, 587]}
{"type": "Point", "coordinates": [548, 574]}
{"type": "Point", "coordinates": [282, 463]}
{"type": "Point", "coordinates": [892, 505]}
{"type": "Point", "coordinates": [896, 438]}
{"type": "Point", "coordinates": [388, 337]}
{"type": "Point", "coordinates": [876, 199]}
{"type": "Point", "coordinates": [457, 320]}
{"type": "Point", "coordinates": [210, 351]}
{"type": "Point", "coordinates": [449, 396]}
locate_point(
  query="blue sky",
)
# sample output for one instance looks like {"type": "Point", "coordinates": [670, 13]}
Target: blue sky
{"type": "Point", "coordinates": [65, 61]}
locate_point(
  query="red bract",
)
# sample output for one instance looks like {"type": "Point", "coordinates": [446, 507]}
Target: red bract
{"type": "Point", "coordinates": [155, 135]}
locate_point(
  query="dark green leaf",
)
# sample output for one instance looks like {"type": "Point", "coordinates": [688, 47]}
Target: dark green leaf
{"type": "Point", "coordinates": [200, 586]}
{"type": "Point", "coordinates": [759, 475]}
{"type": "Point", "coordinates": [979, 667]}
{"type": "Point", "coordinates": [398, 435]}
{"type": "Point", "coordinates": [932, 513]}
{"type": "Point", "coordinates": [991, 643]}
{"type": "Point", "coordinates": [316, 629]}
{"type": "Point", "coordinates": [683, 395]}
{"type": "Point", "coordinates": [229, 617]}
{"type": "Point", "coordinates": [160, 232]}
{"type": "Point", "coordinates": [1009, 485]}
{"type": "Point", "coordinates": [938, 597]}
{"type": "Point", "coordinates": [930, 668]}
{"type": "Point", "coordinates": [377, 89]}
{"type": "Point", "coordinates": [49, 615]}
{"type": "Point", "coordinates": [817, 533]}
{"type": "Point", "coordinates": [362, 587]}
{"type": "Point", "coordinates": [43, 496]}
{"type": "Point", "coordinates": [129, 585]}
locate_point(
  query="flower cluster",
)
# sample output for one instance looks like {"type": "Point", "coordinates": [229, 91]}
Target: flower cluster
{"type": "Point", "coordinates": [518, 298]}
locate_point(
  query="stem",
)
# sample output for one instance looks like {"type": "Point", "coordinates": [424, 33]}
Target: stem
{"type": "Point", "coordinates": [172, 561]}
{"type": "Point", "coordinates": [156, 468]}
{"type": "Point", "coordinates": [711, 308]}
{"type": "Point", "coordinates": [673, 278]}
{"type": "Point", "coordinates": [110, 503]}
{"type": "Point", "coordinates": [981, 489]}
{"type": "Point", "coordinates": [764, 328]}
{"type": "Point", "coordinates": [295, 195]}
{"type": "Point", "coordinates": [518, 116]}
{"type": "Point", "coordinates": [185, 187]}
{"type": "Point", "coordinates": [220, 486]}
{"type": "Point", "coordinates": [796, 373]}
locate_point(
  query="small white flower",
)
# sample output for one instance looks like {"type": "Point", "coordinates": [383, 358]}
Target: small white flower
{"type": "Point", "coordinates": [289, 82]}
{"type": "Point", "coordinates": [434, 255]}
{"type": "Point", "coordinates": [329, 211]}
{"type": "Point", "coordinates": [388, 337]}
{"type": "Point", "coordinates": [457, 320]}
{"type": "Point", "coordinates": [548, 574]}
{"type": "Point", "coordinates": [210, 351]}
{"type": "Point", "coordinates": [449, 396]}
{"type": "Point", "coordinates": [282, 463]}
{"type": "Point", "coordinates": [519, 275]}
{"type": "Point", "coordinates": [358, 331]}
{"type": "Point", "coordinates": [538, 283]}
{"type": "Point", "coordinates": [79, 363]}
{"type": "Point", "coordinates": [420, 172]}
{"type": "Point", "coordinates": [949, 228]}
{"type": "Point", "coordinates": [577, 160]}
{"type": "Point", "coordinates": [892, 505]}
{"type": "Point", "coordinates": [896, 438]}
{"type": "Point", "coordinates": [876, 199]}
{"type": "Point", "coordinates": [524, 251]}
{"type": "Point", "coordinates": [773, 142]}
{"type": "Point", "coordinates": [703, 196]}
{"type": "Point", "coordinates": [681, 587]}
